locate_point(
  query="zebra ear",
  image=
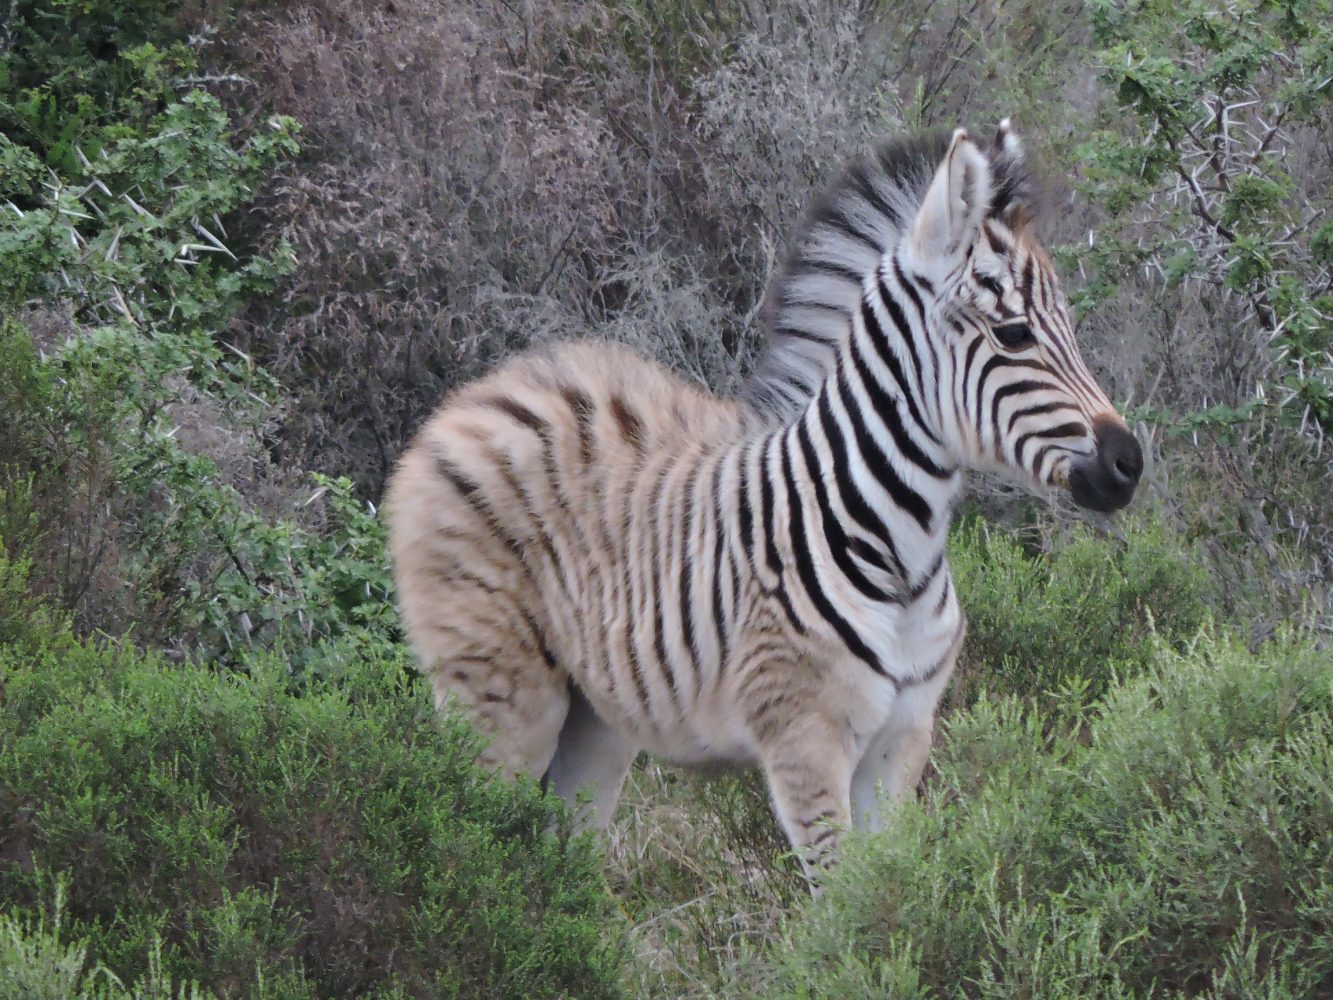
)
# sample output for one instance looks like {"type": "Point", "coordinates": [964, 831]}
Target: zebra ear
{"type": "Point", "coordinates": [1012, 201]}
{"type": "Point", "coordinates": [1007, 145]}
{"type": "Point", "coordinates": [956, 201]}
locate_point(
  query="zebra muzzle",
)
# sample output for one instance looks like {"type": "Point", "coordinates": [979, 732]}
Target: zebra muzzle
{"type": "Point", "coordinates": [1105, 481]}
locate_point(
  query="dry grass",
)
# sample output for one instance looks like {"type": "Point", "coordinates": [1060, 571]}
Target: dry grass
{"type": "Point", "coordinates": [706, 880]}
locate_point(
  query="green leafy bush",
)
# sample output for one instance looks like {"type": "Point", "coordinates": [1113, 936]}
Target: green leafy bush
{"type": "Point", "coordinates": [338, 843]}
{"type": "Point", "coordinates": [1181, 844]}
{"type": "Point", "coordinates": [36, 964]}
{"type": "Point", "coordinates": [1208, 261]}
{"type": "Point", "coordinates": [107, 502]}
{"type": "Point", "coordinates": [1073, 618]}
{"type": "Point", "coordinates": [75, 73]}
{"type": "Point", "coordinates": [1202, 168]}
{"type": "Point", "coordinates": [137, 430]}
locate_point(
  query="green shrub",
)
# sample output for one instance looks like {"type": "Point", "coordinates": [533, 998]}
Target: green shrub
{"type": "Point", "coordinates": [1072, 618]}
{"type": "Point", "coordinates": [1180, 844]}
{"type": "Point", "coordinates": [134, 426]}
{"type": "Point", "coordinates": [1199, 165]}
{"type": "Point", "coordinates": [115, 432]}
{"type": "Point", "coordinates": [74, 71]}
{"type": "Point", "coordinates": [1207, 270]}
{"type": "Point", "coordinates": [23, 625]}
{"type": "Point", "coordinates": [338, 843]}
{"type": "Point", "coordinates": [36, 964]}
{"type": "Point", "coordinates": [116, 265]}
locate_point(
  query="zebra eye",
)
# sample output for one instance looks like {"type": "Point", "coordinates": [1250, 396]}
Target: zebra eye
{"type": "Point", "coordinates": [991, 285]}
{"type": "Point", "coordinates": [1014, 335]}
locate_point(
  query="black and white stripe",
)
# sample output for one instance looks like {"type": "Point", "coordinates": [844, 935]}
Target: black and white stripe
{"type": "Point", "coordinates": [881, 381]}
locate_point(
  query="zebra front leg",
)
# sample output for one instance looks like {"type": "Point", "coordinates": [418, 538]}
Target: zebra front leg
{"type": "Point", "coordinates": [809, 772]}
{"type": "Point", "coordinates": [891, 767]}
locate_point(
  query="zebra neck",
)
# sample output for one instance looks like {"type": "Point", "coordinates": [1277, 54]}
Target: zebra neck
{"type": "Point", "coordinates": [863, 496]}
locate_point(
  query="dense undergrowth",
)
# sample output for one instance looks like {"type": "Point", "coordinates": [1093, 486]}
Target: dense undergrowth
{"type": "Point", "coordinates": [1175, 841]}
{"type": "Point", "coordinates": [218, 324]}
{"type": "Point", "coordinates": [336, 841]}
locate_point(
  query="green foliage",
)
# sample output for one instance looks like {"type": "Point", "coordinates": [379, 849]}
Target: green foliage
{"type": "Point", "coordinates": [1222, 420]}
{"type": "Point", "coordinates": [1218, 99]}
{"type": "Point", "coordinates": [96, 425]}
{"type": "Point", "coordinates": [139, 528]}
{"type": "Point", "coordinates": [134, 235]}
{"type": "Point", "coordinates": [286, 587]}
{"type": "Point", "coordinates": [1071, 619]}
{"type": "Point", "coordinates": [337, 843]}
{"type": "Point", "coordinates": [73, 72]}
{"type": "Point", "coordinates": [23, 624]}
{"type": "Point", "coordinates": [36, 964]}
{"type": "Point", "coordinates": [1178, 842]}
{"type": "Point", "coordinates": [25, 392]}
{"type": "Point", "coordinates": [689, 36]}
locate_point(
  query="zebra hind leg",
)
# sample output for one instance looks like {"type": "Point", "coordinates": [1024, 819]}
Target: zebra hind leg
{"type": "Point", "coordinates": [517, 703]}
{"type": "Point", "coordinates": [589, 753]}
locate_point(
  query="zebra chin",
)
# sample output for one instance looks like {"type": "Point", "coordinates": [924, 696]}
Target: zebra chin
{"type": "Point", "coordinates": [1105, 481]}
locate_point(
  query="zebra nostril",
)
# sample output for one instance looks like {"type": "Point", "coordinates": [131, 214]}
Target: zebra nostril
{"type": "Point", "coordinates": [1121, 455]}
{"type": "Point", "coordinates": [1106, 481]}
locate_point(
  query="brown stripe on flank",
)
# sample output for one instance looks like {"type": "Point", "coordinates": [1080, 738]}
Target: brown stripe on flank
{"type": "Point", "coordinates": [472, 494]}
{"type": "Point", "coordinates": [629, 422]}
{"type": "Point", "coordinates": [450, 474]}
{"type": "Point", "coordinates": [539, 635]}
{"type": "Point", "coordinates": [519, 412]}
{"type": "Point", "coordinates": [582, 405]}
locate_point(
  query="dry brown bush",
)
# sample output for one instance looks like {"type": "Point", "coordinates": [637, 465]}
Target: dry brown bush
{"type": "Point", "coordinates": [480, 176]}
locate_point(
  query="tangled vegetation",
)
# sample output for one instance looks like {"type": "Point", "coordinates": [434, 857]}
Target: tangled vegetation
{"type": "Point", "coordinates": [246, 245]}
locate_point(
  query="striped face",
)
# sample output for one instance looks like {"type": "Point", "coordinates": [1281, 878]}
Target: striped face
{"type": "Point", "coordinates": [1015, 395]}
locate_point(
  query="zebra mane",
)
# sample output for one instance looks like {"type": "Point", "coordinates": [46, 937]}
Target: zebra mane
{"type": "Point", "coordinates": [841, 239]}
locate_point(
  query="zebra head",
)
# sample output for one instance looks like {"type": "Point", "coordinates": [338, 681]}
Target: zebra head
{"type": "Point", "coordinates": [1013, 393]}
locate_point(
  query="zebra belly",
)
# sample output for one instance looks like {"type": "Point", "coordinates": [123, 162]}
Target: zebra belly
{"type": "Point", "coordinates": [692, 722]}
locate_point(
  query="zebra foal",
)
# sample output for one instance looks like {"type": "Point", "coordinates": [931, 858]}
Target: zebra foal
{"type": "Point", "coordinates": [596, 557]}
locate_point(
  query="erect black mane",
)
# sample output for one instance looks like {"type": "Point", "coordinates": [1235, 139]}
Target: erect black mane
{"type": "Point", "coordinates": [841, 238]}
